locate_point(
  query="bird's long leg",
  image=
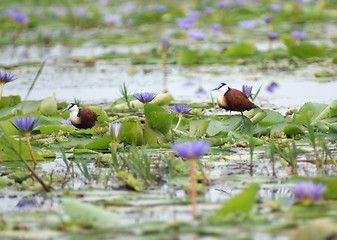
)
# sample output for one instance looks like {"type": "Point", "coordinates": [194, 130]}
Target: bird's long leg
{"type": "Point", "coordinates": [243, 122]}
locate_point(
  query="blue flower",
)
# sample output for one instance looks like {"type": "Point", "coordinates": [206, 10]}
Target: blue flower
{"type": "Point", "coordinates": [182, 108]}
{"type": "Point", "coordinates": [109, 18]}
{"type": "Point", "coordinates": [191, 150]}
{"type": "Point", "coordinates": [145, 97]}
{"type": "Point", "coordinates": [272, 35]}
{"type": "Point", "coordinates": [268, 19]}
{"type": "Point", "coordinates": [21, 18]}
{"type": "Point", "coordinates": [26, 125]}
{"type": "Point", "coordinates": [165, 43]}
{"type": "Point", "coordinates": [271, 88]}
{"type": "Point", "coordinates": [208, 10]}
{"type": "Point", "coordinates": [247, 89]}
{"type": "Point", "coordinates": [247, 24]}
{"type": "Point", "coordinates": [299, 34]}
{"type": "Point", "coordinates": [275, 8]}
{"type": "Point", "coordinates": [308, 192]}
{"type": "Point", "coordinates": [185, 23]}
{"type": "Point", "coordinates": [197, 34]}
{"type": "Point", "coordinates": [6, 77]}
{"type": "Point", "coordinates": [194, 14]}
{"type": "Point", "coordinates": [67, 122]}
{"type": "Point", "coordinates": [114, 129]}
{"type": "Point", "coordinates": [216, 27]}
{"type": "Point", "coordinates": [222, 4]}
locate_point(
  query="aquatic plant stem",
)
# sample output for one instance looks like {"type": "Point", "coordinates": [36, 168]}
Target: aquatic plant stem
{"type": "Point", "coordinates": [180, 117]}
{"type": "Point", "coordinates": [193, 187]}
{"type": "Point", "coordinates": [271, 53]}
{"type": "Point", "coordinates": [30, 148]}
{"type": "Point", "coordinates": [2, 89]}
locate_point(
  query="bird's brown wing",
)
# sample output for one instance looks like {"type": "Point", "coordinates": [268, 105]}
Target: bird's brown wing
{"type": "Point", "coordinates": [238, 101]}
{"type": "Point", "coordinates": [88, 118]}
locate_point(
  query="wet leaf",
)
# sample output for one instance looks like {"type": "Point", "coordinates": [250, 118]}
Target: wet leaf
{"type": "Point", "coordinates": [89, 215]}
{"type": "Point", "coordinates": [9, 101]}
{"type": "Point", "coordinates": [48, 106]}
{"type": "Point", "coordinates": [132, 133]}
{"type": "Point", "coordinates": [198, 127]}
{"type": "Point", "coordinates": [187, 57]}
{"type": "Point", "coordinates": [307, 50]}
{"type": "Point", "coordinates": [316, 108]}
{"type": "Point", "coordinates": [241, 203]}
{"type": "Point", "coordinates": [157, 118]}
{"type": "Point", "coordinates": [150, 136]}
{"type": "Point", "coordinates": [10, 148]}
{"type": "Point", "coordinates": [329, 111]}
{"type": "Point", "coordinates": [242, 49]}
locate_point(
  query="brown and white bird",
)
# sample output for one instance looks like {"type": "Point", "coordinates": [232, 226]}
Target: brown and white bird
{"type": "Point", "coordinates": [233, 100]}
{"type": "Point", "coordinates": [81, 117]}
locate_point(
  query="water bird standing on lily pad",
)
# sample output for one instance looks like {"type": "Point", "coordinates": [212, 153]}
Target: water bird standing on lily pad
{"type": "Point", "coordinates": [233, 100]}
{"type": "Point", "coordinates": [81, 117]}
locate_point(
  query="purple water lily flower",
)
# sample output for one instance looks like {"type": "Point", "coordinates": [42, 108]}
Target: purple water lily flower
{"type": "Point", "coordinates": [26, 125]}
{"type": "Point", "coordinates": [208, 10]}
{"type": "Point", "coordinates": [21, 18]}
{"type": "Point", "coordinates": [275, 8]}
{"type": "Point", "coordinates": [272, 35]}
{"type": "Point", "coordinates": [241, 3]}
{"type": "Point", "coordinates": [194, 14]}
{"type": "Point", "coordinates": [216, 27]}
{"type": "Point", "coordinates": [67, 122]}
{"type": "Point", "coordinates": [130, 22]}
{"type": "Point", "coordinates": [185, 23]}
{"type": "Point", "coordinates": [247, 24]}
{"type": "Point", "coordinates": [191, 150]}
{"type": "Point", "coordinates": [198, 34]}
{"type": "Point", "coordinates": [299, 34]}
{"type": "Point", "coordinates": [271, 88]}
{"type": "Point", "coordinates": [145, 97]}
{"type": "Point", "coordinates": [182, 108]}
{"type": "Point", "coordinates": [6, 77]}
{"type": "Point", "coordinates": [114, 129]}
{"type": "Point", "coordinates": [165, 43]}
{"type": "Point", "coordinates": [268, 19]}
{"type": "Point", "coordinates": [247, 89]}
{"type": "Point", "coordinates": [113, 19]}
{"type": "Point", "coordinates": [161, 8]}
{"type": "Point", "coordinates": [223, 4]}
{"type": "Point", "coordinates": [149, 8]}
{"type": "Point", "coordinates": [308, 192]}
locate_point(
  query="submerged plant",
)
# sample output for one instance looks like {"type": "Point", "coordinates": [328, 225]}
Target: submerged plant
{"type": "Point", "coordinates": [145, 97]}
{"type": "Point", "coordinates": [181, 110]}
{"type": "Point", "coordinates": [26, 126]}
{"type": "Point", "coordinates": [192, 151]}
{"type": "Point", "coordinates": [5, 78]}
{"type": "Point", "coordinates": [307, 192]}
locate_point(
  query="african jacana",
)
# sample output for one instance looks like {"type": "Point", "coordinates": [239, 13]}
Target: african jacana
{"type": "Point", "coordinates": [81, 117]}
{"type": "Point", "coordinates": [233, 100]}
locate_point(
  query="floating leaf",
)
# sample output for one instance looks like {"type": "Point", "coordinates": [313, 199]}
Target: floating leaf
{"type": "Point", "coordinates": [150, 136]}
{"type": "Point", "coordinates": [198, 127]}
{"type": "Point", "coordinates": [130, 181]}
{"type": "Point", "coordinates": [89, 215]}
{"type": "Point", "coordinates": [292, 130]}
{"type": "Point", "coordinates": [187, 57]}
{"type": "Point", "coordinates": [10, 148]}
{"type": "Point", "coordinates": [157, 118]}
{"type": "Point", "coordinates": [307, 50]}
{"type": "Point", "coordinates": [241, 203]}
{"type": "Point", "coordinates": [241, 50]}
{"type": "Point", "coordinates": [132, 132]}
{"type": "Point", "coordinates": [48, 106]}
{"type": "Point", "coordinates": [10, 101]}
{"type": "Point", "coordinates": [316, 108]}
{"type": "Point", "coordinates": [329, 111]}
{"type": "Point", "coordinates": [103, 117]}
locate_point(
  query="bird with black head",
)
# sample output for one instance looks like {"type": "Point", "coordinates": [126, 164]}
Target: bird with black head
{"type": "Point", "coordinates": [233, 100]}
{"type": "Point", "coordinates": [81, 117]}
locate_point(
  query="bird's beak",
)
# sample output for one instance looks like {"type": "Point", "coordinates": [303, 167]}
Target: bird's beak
{"type": "Point", "coordinates": [217, 88]}
{"type": "Point", "coordinates": [64, 110]}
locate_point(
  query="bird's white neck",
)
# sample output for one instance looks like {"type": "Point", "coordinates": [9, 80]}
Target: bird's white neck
{"type": "Point", "coordinates": [74, 115]}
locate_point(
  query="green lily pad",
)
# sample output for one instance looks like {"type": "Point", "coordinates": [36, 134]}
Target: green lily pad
{"type": "Point", "coordinates": [157, 118]}
{"type": "Point", "coordinates": [241, 50]}
{"type": "Point", "coordinates": [89, 215]}
{"type": "Point", "coordinates": [48, 106]}
{"type": "Point", "coordinates": [11, 149]}
{"type": "Point", "coordinates": [198, 128]}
